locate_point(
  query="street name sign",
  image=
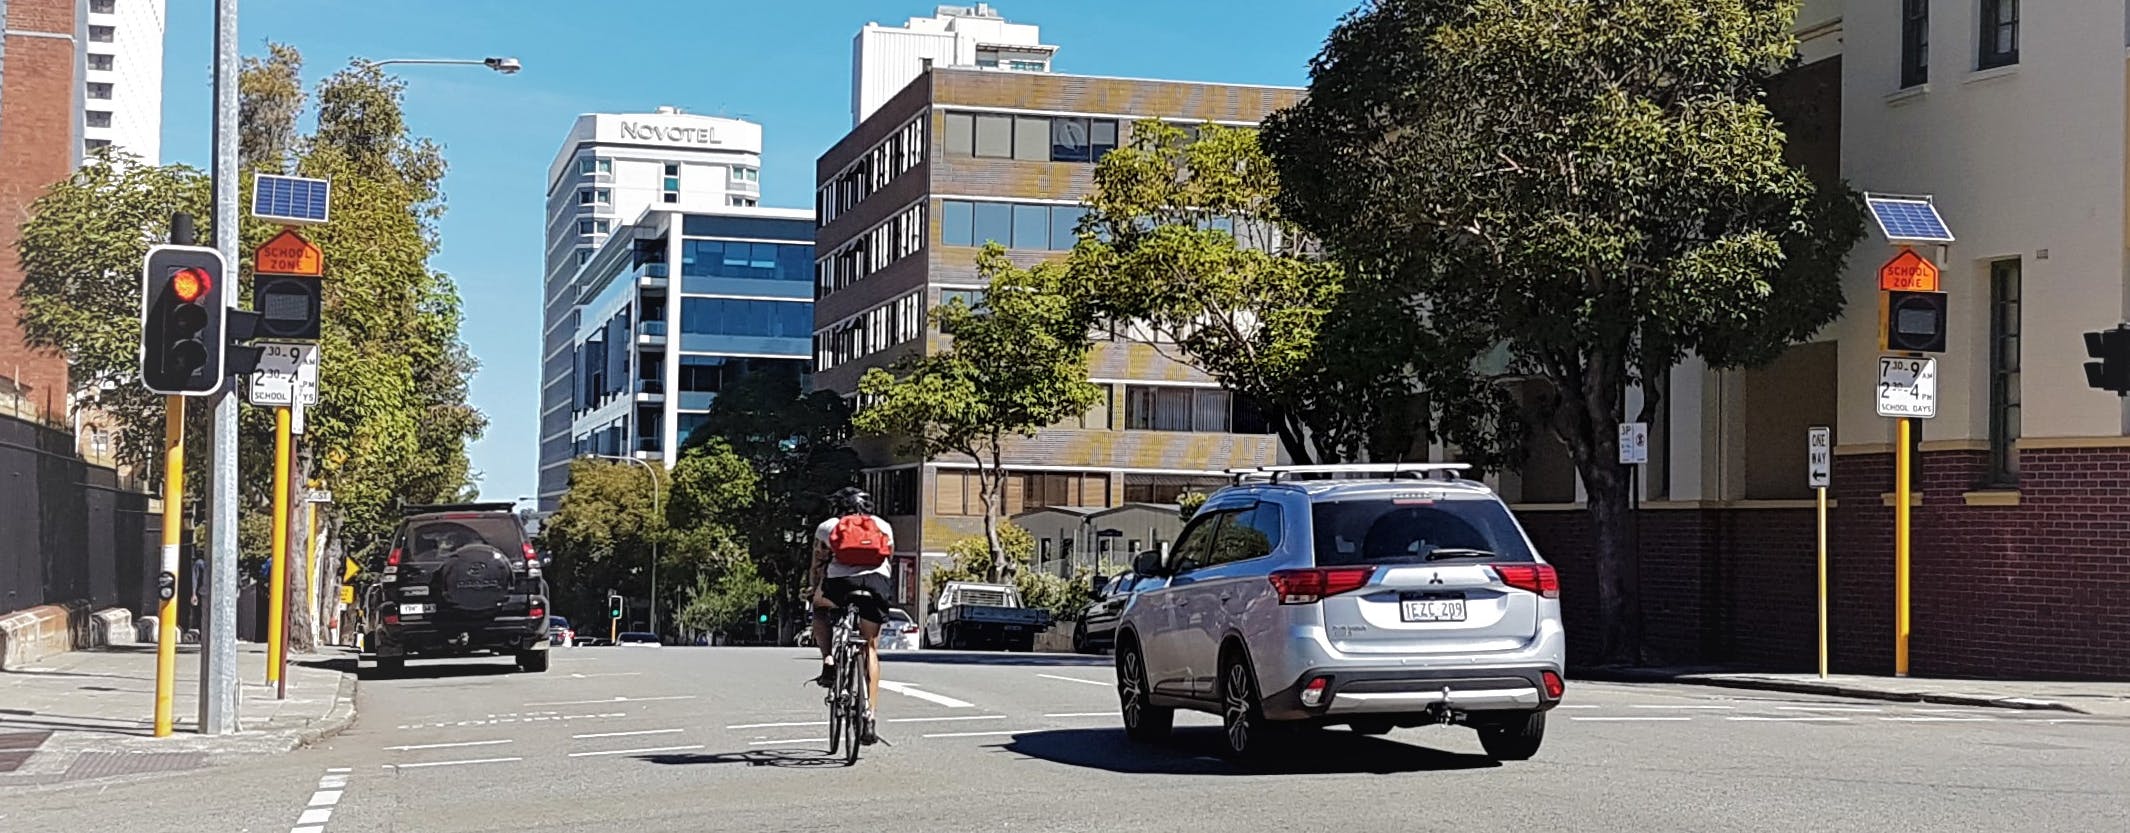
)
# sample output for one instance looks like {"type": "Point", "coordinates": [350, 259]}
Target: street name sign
{"type": "Point", "coordinates": [1908, 387]}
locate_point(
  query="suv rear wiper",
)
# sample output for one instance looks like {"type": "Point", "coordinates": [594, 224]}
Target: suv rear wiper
{"type": "Point", "coordinates": [1440, 553]}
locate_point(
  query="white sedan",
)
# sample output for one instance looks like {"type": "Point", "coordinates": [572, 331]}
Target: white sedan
{"type": "Point", "coordinates": [899, 633]}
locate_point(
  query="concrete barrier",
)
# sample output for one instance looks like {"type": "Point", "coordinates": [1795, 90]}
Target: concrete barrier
{"type": "Point", "coordinates": [1057, 639]}
{"type": "Point", "coordinates": [27, 636]}
{"type": "Point", "coordinates": [112, 626]}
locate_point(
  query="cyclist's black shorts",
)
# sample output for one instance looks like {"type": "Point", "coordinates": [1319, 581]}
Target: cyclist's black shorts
{"type": "Point", "coordinates": [872, 608]}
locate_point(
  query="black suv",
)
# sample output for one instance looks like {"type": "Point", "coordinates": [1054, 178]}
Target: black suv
{"type": "Point", "coordinates": [460, 579]}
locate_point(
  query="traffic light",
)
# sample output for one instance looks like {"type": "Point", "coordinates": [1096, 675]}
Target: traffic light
{"type": "Point", "coordinates": [613, 605]}
{"type": "Point", "coordinates": [1915, 322]}
{"type": "Point", "coordinates": [184, 309]}
{"type": "Point", "coordinates": [2112, 348]}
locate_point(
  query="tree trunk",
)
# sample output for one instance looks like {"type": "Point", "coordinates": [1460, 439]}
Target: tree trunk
{"type": "Point", "coordinates": [301, 638]}
{"type": "Point", "coordinates": [1290, 436]}
{"type": "Point", "coordinates": [991, 488]}
{"type": "Point", "coordinates": [1594, 411]}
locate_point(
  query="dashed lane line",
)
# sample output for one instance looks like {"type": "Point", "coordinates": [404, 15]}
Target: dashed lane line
{"type": "Point", "coordinates": [909, 690]}
{"type": "Point", "coordinates": [627, 734]}
{"type": "Point", "coordinates": [1082, 680]}
{"type": "Point", "coordinates": [1082, 714]}
{"type": "Point", "coordinates": [1788, 719]}
{"type": "Point", "coordinates": [796, 724]}
{"type": "Point", "coordinates": [977, 734]}
{"type": "Point", "coordinates": [468, 762]}
{"type": "Point", "coordinates": [788, 740]}
{"type": "Point", "coordinates": [1869, 709]}
{"type": "Point", "coordinates": [319, 809]}
{"type": "Point", "coordinates": [1633, 719]}
{"type": "Point", "coordinates": [644, 751]}
{"type": "Point", "coordinates": [617, 699]}
{"type": "Point", "coordinates": [498, 721]}
{"type": "Point", "coordinates": [414, 747]}
{"type": "Point", "coordinates": [1681, 707]}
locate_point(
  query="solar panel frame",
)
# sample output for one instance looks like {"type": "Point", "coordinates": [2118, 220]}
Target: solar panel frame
{"type": "Point", "coordinates": [1908, 219]}
{"type": "Point", "coordinates": [294, 200]}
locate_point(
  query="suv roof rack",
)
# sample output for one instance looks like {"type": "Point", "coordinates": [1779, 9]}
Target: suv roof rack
{"type": "Point", "coordinates": [409, 509]}
{"type": "Point", "coordinates": [1390, 471]}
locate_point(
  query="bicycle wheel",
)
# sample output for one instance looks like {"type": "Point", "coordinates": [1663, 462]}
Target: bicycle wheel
{"type": "Point", "coordinates": [854, 724]}
{"type": "Point", "coordinates": [836, 706]}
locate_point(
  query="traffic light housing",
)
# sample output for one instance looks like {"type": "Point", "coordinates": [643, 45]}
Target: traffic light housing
{"type": "Point", "coordinates": [2112, 349]}
{"type": "Point", "coordinates": [288, 307]}
{"type": "Point", "coordinates": [1915, 322]}
{"type": "Point", "coordinates": [613, 605]}
{"type": "Point", "coordinates": [184, 314]}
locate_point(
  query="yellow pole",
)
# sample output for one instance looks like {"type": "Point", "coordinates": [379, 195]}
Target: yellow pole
{"type": "Point", "coordinates": [277, 584]}
{"type": "Point", "coordinates": [166, 628]}
{"type": "Point", "coordinates": [1900, 552]}
{"type": "Point", "coordinates": [1822, 581]}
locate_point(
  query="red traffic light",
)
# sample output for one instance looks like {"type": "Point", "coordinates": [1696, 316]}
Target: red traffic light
{"type": "Point", "coordinates": [191, 283]}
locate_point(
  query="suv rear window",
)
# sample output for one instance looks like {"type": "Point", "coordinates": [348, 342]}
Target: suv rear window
{"type": "Point", "coordinates": [1382, 530]}
{"type": "Point", "coordinates": [432, 539]}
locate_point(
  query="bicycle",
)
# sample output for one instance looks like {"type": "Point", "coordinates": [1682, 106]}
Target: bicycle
{"type": "Point", "coordinates": [847, 698]}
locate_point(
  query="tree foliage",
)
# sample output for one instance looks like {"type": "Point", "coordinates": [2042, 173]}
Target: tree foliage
{"type": "Point", "coordinates": [728, 602]}
{"type": "Point", "coordinates": [1017, 363]}
{"type": "Point", "coordinates": [606, 528]}
{"type": "Point", "coordinates": [1597, 186]}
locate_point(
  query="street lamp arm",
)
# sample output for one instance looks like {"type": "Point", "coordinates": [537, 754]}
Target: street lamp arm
{"type": "Point", "coordinates": [500, 64]}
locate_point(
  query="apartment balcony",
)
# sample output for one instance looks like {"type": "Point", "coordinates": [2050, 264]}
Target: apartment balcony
{"type": "Point", "coordinates": [651, 334]}
{"type": "Point", "coordinates": [650, 391]}
{"type": "Point", "coordinates": [651, 276]}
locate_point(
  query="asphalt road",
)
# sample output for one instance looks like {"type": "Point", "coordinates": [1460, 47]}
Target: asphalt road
{"type": "Point", "coordinates": [693, 739]}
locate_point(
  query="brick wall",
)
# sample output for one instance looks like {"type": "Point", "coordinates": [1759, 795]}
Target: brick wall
{"type": "Point", "coordinates": [37, 140]}
{"type": "Point", "coordinates": [2040, 590]}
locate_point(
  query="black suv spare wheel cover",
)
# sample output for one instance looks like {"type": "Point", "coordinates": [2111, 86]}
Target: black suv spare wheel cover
{"type": "Point", "coordinates": [476, 579]}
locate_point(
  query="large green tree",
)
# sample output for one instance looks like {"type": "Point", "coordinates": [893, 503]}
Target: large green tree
{"type": "Point", "coordinates": [1017, 363]}
{"type": "Point", "coordinates": [616, 515]}
{"type": "Point", "coordinates": [1598, 186]}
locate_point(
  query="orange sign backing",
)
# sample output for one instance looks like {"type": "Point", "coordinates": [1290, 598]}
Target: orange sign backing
{"type": "Point", "coordinates": [289, 254]}
{"type": "Point", "coordinates": [1908, 272]}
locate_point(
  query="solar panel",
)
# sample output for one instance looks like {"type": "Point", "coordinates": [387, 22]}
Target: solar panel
{"type": "Point", "coordinates": [290, 199]}
{"type": "Point", "coordinates": [1909, 220]}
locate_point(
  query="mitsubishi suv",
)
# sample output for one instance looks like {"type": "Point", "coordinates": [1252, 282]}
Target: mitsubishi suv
{"type": "Point", "coordinates": [1372, 596]}
{"type": "Point", "coordinates": [460, 579]}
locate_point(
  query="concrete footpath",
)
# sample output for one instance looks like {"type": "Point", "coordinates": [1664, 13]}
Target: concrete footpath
{"type": "Point", "coordinates": [2106, 699]}
{"type": "Point", "coordinates": [89, 715]}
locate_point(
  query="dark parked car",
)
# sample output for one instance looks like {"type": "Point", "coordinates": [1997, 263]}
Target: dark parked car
{"type": "Point", "coordinates": [460, 579]}
{"type": "Point", "coordinates": [1097, 629]}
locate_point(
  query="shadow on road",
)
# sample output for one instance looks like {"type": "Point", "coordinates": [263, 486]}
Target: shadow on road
{"type": "Point", "coordinates": [344, 664]}
{"type": "Point", "coordinates": [789, 758]}
{"type": "Point", "coordinates": [420, 671]}
{"type": "Point", "coordinates": [999, 659]}
{"type": "Point", "coordinates": [1195, 751]}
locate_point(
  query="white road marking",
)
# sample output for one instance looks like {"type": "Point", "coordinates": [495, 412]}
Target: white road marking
{"type": "Point", "coordinates": [1682, 708]}
{"type": "Point", "coordinates": [1939, 719]}
{"type": "Point", "coordinates": [453, 763]}
{"type": "Point", "coordinates": [1082, 714]}
{"type": "Point", "coordinates": [975, 734]}
{"type": "Point", "coordinates": [1630, 719]}
{"type": "Point", "coordinates": [1797, 719]}
{"type": "Point", "coordinates": [582, 676]}
{"type": "Point", "coordinates": [315, 816]}
{"type": "Point", "coordinates": [644, 751]}
{"type": "Point", "coordinates": [627, 734]}
{"type": "Point", "coordinates": [1924, 710]}
{"type": "Point", "coordinates": [325, 798]}
{"type": "Point", "coordinates": [788, 740]}
{"type": "Point", "coordinates": [1103, 683]}
{"type": "Point", "coordinates": [333, 782]}
{"type": "Point", "coordinates": [793, 725]}
{"type": "Point", "coordinates": [496, 721]}
{"type": "Point", "coordinates": [2074, 720]}
{"type": "Point", "coordinates": [909, 690]}
{"type": "Point", "coordinates": [1576, 706]}
{"type": "Point", "coordinates": [613, 700]}
{"type": "Point", "coordinates": [447, 745]}
{"type": "Point", "coordinates": [339, 770]}
{"type": "Point", "coordinates": [945, 719]}
{"type": "Point", "coordinates": [1828, 709]}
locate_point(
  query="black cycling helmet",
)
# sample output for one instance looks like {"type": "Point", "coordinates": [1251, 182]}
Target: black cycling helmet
{"type": "Point", "coordinates": [852, 500]}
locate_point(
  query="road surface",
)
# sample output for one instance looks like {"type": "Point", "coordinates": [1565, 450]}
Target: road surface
{"type": "Point", "coordinates": [650, 740]}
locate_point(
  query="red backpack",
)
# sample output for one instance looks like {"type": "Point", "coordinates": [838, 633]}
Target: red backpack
{"type": "Point", "coordinates": [859, 542]}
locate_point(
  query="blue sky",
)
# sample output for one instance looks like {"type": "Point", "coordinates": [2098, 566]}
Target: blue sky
{"type": "Point", "coordinates": [785, 65]}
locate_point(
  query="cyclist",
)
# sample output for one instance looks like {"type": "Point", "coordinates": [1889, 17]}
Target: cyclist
{"type": "Point", "coordinates": [851, 551]}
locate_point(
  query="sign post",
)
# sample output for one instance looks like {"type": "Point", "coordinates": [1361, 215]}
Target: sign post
{"type": "Point", "coordinates": [1908, 390]}
{"type": "Point", "coordinates": [1819, 471]}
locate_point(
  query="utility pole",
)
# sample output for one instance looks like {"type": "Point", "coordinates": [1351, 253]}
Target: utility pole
{"type": "Point", "coordinates": [219, 692]}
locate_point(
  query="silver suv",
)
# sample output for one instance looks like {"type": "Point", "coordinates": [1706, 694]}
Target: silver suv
{"type": "Point", "coordinates": [1372, 596]}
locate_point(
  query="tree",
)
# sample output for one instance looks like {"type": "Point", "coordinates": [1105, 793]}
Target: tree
{"type": "Point", "coordinates": [797, 445]}
{"type": "Point", "coordinates": [601, 533]}
{"type": "Point", "coordinates": [1598, 187]}
{"type": "Point", "coordinates": [1017, 363]}
{"type": "Point", "coordinates": [731, 601]}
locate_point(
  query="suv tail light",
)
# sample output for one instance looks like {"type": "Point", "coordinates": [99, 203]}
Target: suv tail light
{"type": "Point", "coordinates": [1554, 686]}
{"type": "Point", "coordinates": [529, 554]}
{"type": "Point", "coordinates": [539, 609]}
{"type": "Point", "coordinates": [1537, 578]}
{"type": "Point", "coordinates": [1300, 587]}
{"type": "Point", "coordinates": [393, 559]}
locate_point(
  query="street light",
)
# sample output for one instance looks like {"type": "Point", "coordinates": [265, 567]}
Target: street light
{"type": "Point", "coordinates": [507, 66]}
{"type": "Point", "coordinates": [657, 482]}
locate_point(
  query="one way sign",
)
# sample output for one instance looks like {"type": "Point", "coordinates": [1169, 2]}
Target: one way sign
{"type": "Point", "coordinates": [1819, 456]}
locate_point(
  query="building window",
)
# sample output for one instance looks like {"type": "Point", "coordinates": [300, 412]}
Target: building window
{"type": "Point", "coordinates": [1032, 138]}
{"type": "Point", "coordinates": [672, 169]}
{"type": "Point", "coordinates": [98, 118]}
{"type": "Point", "coordinates": [103, 6]}
{"type": "Point", "coordinates": [735, 317]}
{"type": "Point", "coordinates": [96, 144]}
{"type": "Point", "coordinates": [746, 174]}
{"type": "Point", "coordinates": [102, 34]}
{"type": "Point", "coordinates": [101, 62]}
{"type": "Point", "coordinates": [1202, 410]}
{"type": "Point", "coordinates": [2004, 371]}
{"type": "Point", "coordinates": [1915, 42]}
{"type": "Point", "coordinates": [593, 226]}
{"type": "Point", "coordinates": [584, 256]}
{"type": "Point", "coordinates": [961, 492]}
{"type": "Point", "coordinates": [894, 491]}
{"type": "Point", "coordinates": [595, 165]}
{"type": "Point", "coordinates": [2000, 34]}
{"type": "Point", "coordinates": [1034, 227]}
{"type": "Point", "coordinates": [586, 196]}
{"type": "Point", "coordinates": [742, 202]}
{"type": "Point", "coordinates": [100, 90]}
{"type": "Point", "coordinates": [751, 261]}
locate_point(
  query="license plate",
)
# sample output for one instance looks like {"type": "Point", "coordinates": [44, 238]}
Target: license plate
{"type": "Point", "coordinates": [414, 608]}
{"type": "Point", "coordinates": [1434, 609]}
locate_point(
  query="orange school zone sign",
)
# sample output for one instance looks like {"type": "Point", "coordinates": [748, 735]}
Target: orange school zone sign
{"type": "Point", "coordinates": [288, 254]}
{"type": "Point", "coordinates": [1908, 272]}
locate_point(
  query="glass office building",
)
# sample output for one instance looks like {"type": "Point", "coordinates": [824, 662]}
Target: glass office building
{"type": "Point", "coordinates": [678, 305]}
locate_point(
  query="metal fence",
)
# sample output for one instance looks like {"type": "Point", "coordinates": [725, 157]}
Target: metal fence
{"type": "Point", "coordinates": [68, 530]}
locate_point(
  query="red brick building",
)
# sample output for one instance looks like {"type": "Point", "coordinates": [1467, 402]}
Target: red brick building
{"type": "Point", "coordinates": [40, 95]}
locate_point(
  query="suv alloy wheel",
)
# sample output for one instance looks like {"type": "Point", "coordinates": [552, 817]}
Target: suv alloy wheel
{"type": "Point", "coordinates": [1143, 721]}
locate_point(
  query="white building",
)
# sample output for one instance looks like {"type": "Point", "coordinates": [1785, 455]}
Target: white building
{"type": "Point", "coordinates": [886, 59]}
{"type": "Point", "coordinates": [610, 170]}
{"type": "Point", "coordinates": [122, 94]}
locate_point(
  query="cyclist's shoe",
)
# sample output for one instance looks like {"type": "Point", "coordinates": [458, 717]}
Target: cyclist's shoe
{"type": "Point", "coordinates": [866, 734]}
{"type": "Point", "coordinates": [828, 676]}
